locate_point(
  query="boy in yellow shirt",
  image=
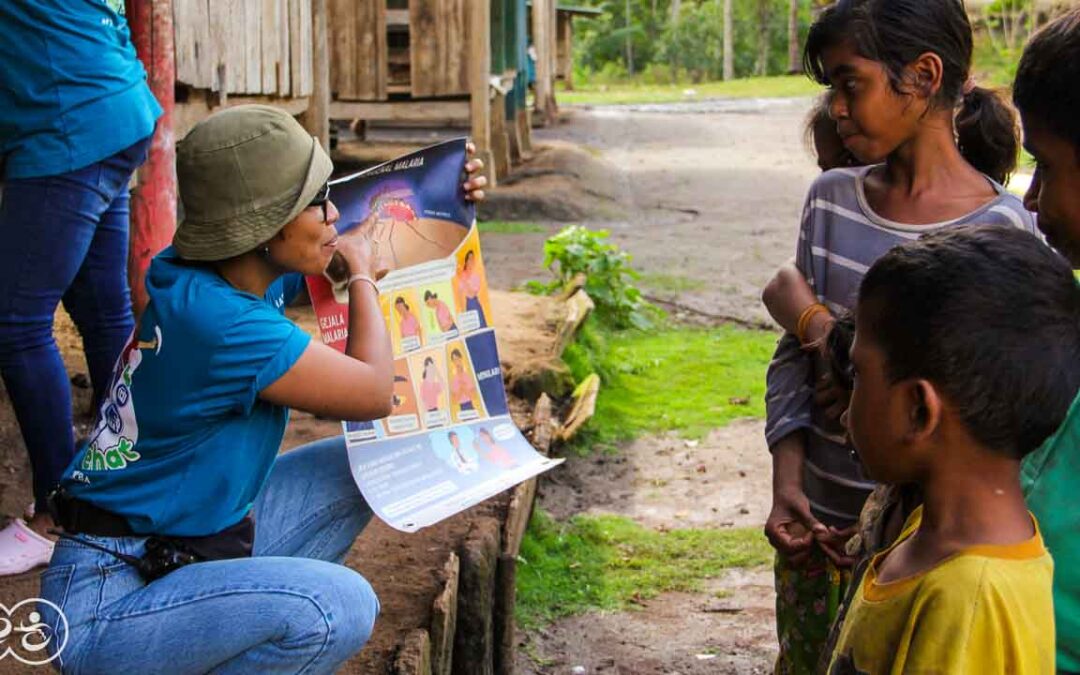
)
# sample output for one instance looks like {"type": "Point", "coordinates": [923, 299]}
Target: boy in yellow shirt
{"type": "Point", "coordinates": [966, 357]}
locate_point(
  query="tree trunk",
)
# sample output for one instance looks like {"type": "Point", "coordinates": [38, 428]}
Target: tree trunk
{"type": "Point", "coordinates": [629, 43]}
{"type": "Point", "coordinates": [762, 66]}
{"type": "Point", "coordinates": [794, 53]}
{"type": "Point", "coordinates": [729, 40]}
{"type": "Point", "coordinates": [676, 8]}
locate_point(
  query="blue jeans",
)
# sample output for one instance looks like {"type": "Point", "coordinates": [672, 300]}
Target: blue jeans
{"type": "Point", "coordinates": [64, 237]}
{"type": "Point", "coordinates": [291, 608]}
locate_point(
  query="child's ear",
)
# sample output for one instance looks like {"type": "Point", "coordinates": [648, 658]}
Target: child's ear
{"type": "Point", "coordinates": [925, 410]}
{"type": "Point", "coordinates": [927, 72]}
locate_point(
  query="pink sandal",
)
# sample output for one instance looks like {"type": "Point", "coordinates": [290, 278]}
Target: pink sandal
{"type": "Point", "coordinates": [22, 549]}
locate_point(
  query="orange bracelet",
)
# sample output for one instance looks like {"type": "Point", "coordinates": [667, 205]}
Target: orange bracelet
{"type": "Point", "coordinates": [806, 317]}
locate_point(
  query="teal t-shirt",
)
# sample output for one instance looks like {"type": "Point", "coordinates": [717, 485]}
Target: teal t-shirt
{"type": "Point", "coordinates": [1050, 477]}
{"type": "Point", "coordinates": [72, 91]}
{"type": "Point", "coordinates": [183, 443]}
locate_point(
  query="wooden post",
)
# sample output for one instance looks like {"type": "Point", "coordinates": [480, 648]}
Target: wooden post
{"type": "Point", "coordinates": [316, 119]}
{"type": "Point", "coordinates": [479, 47]}
{"type": "Point", "coordinates": [544, 76]}
{"type": "Point", "coordinates": [566, 49]}
{"type": "Point", "coordinates": [153, 201]}
{"type": "Point", "coordinates": [500, 140]}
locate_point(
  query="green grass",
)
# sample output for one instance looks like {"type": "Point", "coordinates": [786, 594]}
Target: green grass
{"type": "Point", "coordinates": [751, 87]}
{"type": "Point", "coordinates": [508, 227]}
{"type": "Point", "coordinates": [671, 283]}
{"type": "Point", "coordinates": [609, 562]}
{"type": "Point", "coordinates": [680, 379]}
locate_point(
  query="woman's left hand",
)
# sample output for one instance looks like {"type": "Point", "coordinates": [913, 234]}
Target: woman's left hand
{"type": "Point", "coordinates": [474, 186]}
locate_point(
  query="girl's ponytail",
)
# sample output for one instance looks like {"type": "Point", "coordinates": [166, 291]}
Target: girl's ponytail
{"type": "Point", "coordinates": [988, 133]}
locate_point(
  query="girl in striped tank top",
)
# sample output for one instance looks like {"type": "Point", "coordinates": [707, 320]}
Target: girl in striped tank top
{"type": "Point", "coordinates": [937, 150]}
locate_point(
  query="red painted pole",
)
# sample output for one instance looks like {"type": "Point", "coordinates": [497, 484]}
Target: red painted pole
{"type": "Point", "coordinates": [153, 201]}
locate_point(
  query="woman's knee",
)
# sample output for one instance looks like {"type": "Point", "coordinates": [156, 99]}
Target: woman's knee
{"type": "Point", "coordinates": [352, 607]}
{"type": "Point", "coordinates": [18, 336]}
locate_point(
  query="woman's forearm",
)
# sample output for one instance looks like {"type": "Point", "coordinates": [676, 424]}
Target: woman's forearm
{"type": "Point", "coordinates": [369, 341]}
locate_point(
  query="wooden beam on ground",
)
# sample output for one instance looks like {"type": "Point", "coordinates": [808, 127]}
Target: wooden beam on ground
{"type": "Point", "coordinates": [444, 619]}
{"type": "Point", "coordinates": [414, 654]}
{"type": "Point", "coordinates": [400, 111]}
{"type": "Point", "coordinates": [316, 119]}
{"type": "Point", "coordinates": [474, 640]}
{"type": "Point", "coordinates": [583, 409]}
{"type": "Point", "coordinates": [479, 60]}
{"type": "Point", "coordinates": [578, 308]}
{"type": "Point", "coordinates": [504, 626]}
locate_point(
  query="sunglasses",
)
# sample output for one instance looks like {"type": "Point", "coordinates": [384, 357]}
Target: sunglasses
{"type": "Point", "coordinates": [322, 197]}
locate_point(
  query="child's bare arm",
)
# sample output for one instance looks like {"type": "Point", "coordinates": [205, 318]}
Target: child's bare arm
{"type": "Point", "coordinates": [787, 296]}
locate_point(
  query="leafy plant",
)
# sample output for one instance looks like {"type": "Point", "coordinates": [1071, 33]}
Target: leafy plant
{"type": "Point", "coordinates": [610, 278]}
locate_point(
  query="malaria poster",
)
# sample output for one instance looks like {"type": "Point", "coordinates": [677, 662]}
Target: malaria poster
{"type": "Point", "coordinates": [449, 442]}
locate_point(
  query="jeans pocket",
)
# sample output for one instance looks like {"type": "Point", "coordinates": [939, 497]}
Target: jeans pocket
{"type": "Point", "coordinates": [118, 581]}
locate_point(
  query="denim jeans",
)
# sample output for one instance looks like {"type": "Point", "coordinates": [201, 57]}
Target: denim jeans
{"type": "Point", "coordinates": [291, 608]}
{"type": "Point", "coordinates": [63, 237]}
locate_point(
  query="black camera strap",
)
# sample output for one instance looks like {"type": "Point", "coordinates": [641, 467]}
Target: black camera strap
{"type": "Point", "coordinates": [123, 557]}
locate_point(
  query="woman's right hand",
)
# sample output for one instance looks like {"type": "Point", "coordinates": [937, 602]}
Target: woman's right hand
{"type": "Point", "coordinates": [360, 255]}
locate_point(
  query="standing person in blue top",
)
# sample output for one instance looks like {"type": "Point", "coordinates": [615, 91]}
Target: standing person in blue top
{"type": "Point", "coordinates": [190, 546]}
{"type": "Point", "coordinates": [76, 118]}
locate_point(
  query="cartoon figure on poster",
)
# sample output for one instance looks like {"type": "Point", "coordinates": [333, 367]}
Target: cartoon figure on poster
{"type": "Point", "coordinates": [455, 448]}
{"type": "Point", "coordinates": [406, 331]}
{"type": "Point", "coordinates": [470, 288]}
{"type": "Point", "coordinates": [488, 448]}
{"type": "Point", "coordinates": [438, 319]}
{"type": "Point", "coordinates": [465, 402]}
{"type": "Point", "coordinates": [428, 372]}
{"type": "Point", "coordinates": [404, 413]}
{"type": "Point", "coordinates": [400, 232]}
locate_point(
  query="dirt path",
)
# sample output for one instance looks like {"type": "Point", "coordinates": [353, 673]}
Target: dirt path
{"type": "Point", "coordinates": [711, 193]}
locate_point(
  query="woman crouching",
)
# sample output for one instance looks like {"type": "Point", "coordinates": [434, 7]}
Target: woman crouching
{"type": "Point", "coordinates": [190, 545]}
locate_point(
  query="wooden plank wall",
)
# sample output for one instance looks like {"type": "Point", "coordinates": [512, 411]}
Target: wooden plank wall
{"type": "Point", "coordinates": [247, 47]}
{"type": "Point", "coordinates": [437, 45]}
{"type": "Point", "coordinates": [358, 49]}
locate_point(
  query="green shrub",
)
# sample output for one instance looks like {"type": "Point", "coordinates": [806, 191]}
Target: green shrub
{"type": "Point", "coordinates": [610, 278]}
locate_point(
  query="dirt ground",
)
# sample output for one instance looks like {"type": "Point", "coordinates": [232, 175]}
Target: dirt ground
{"type": "Point", "coordinates": [711, 192]}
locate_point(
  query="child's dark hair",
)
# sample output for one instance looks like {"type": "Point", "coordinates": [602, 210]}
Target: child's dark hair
{"type": "Point", "coordinates": [991, 316]}
{"type": "Point", "coordinates": [1047, 84]}
{"type": "Point", "coordinates": [820, 124]}
{"type": "Point", "coordinates": [428, 295]}
{"type": "Point", "coordinates": [895, 33]}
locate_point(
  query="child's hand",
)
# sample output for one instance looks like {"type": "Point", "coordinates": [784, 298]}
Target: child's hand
{"type": "Point", "coordinates": [474, 186]}
{"type": "Point", "coordinates": [791, 528]}
{"type": "Point", "coordinates": [833, 543]}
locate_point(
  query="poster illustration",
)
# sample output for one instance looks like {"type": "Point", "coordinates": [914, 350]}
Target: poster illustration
{"type": "Point", "coordinates": [449, 441]}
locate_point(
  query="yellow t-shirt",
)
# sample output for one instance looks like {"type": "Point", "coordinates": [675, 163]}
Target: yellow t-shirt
{"type": "Point", "coordinates": [984, 611]}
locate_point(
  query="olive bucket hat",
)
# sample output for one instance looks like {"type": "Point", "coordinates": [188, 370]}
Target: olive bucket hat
{"type": "Point", "coordinates": [243, 173]}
